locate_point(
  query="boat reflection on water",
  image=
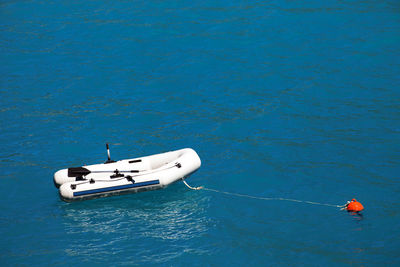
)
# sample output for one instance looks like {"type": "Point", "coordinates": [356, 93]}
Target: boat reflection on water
{"type": "Point", "coordinates": [137, 225]}
{"type": "Point", "coordinates": [357, 215]}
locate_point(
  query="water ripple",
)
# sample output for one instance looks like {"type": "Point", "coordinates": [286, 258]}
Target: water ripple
{"type": "Point", "coordinates": [126, 224]}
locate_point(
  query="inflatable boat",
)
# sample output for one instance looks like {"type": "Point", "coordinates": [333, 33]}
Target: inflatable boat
{"type": "Point", "coordinates": [126, 176]}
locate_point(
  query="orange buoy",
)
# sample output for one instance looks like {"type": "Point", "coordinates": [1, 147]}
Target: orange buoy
{"type": "Point", "coordinates": [354, 205]}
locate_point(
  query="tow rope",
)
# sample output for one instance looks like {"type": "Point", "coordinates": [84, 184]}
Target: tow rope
{"type": "Point", "coordinates": [193, 188]}
{"type": "Point", "coordinates": [342, 207]}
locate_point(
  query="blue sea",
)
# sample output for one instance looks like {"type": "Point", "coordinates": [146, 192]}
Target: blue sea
{"type": "Point", "coordinates": [280, 99]}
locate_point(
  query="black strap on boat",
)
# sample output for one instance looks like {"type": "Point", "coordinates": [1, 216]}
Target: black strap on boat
{"type": "Point", "coordinates": [130, 179]}
{"type": "Point", "coordinates": [116, 174]}
{"type": "Point", "coordinates": [135, 161]}
{"type": "Point", "coordinates": [80, 178]}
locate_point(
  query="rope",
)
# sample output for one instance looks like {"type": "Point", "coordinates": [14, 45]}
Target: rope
{"type": "Point", "coordinates": [263, 198]}
{"type": "Point", "coordinates": [193, 188]}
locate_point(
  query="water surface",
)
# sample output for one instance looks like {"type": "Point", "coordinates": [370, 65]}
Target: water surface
{"type": "Point", "coordinates": [279, 99]}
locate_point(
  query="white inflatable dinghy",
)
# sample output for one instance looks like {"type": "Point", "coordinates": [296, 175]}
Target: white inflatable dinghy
{"type": "Point", "coordinates": [126, 176]}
